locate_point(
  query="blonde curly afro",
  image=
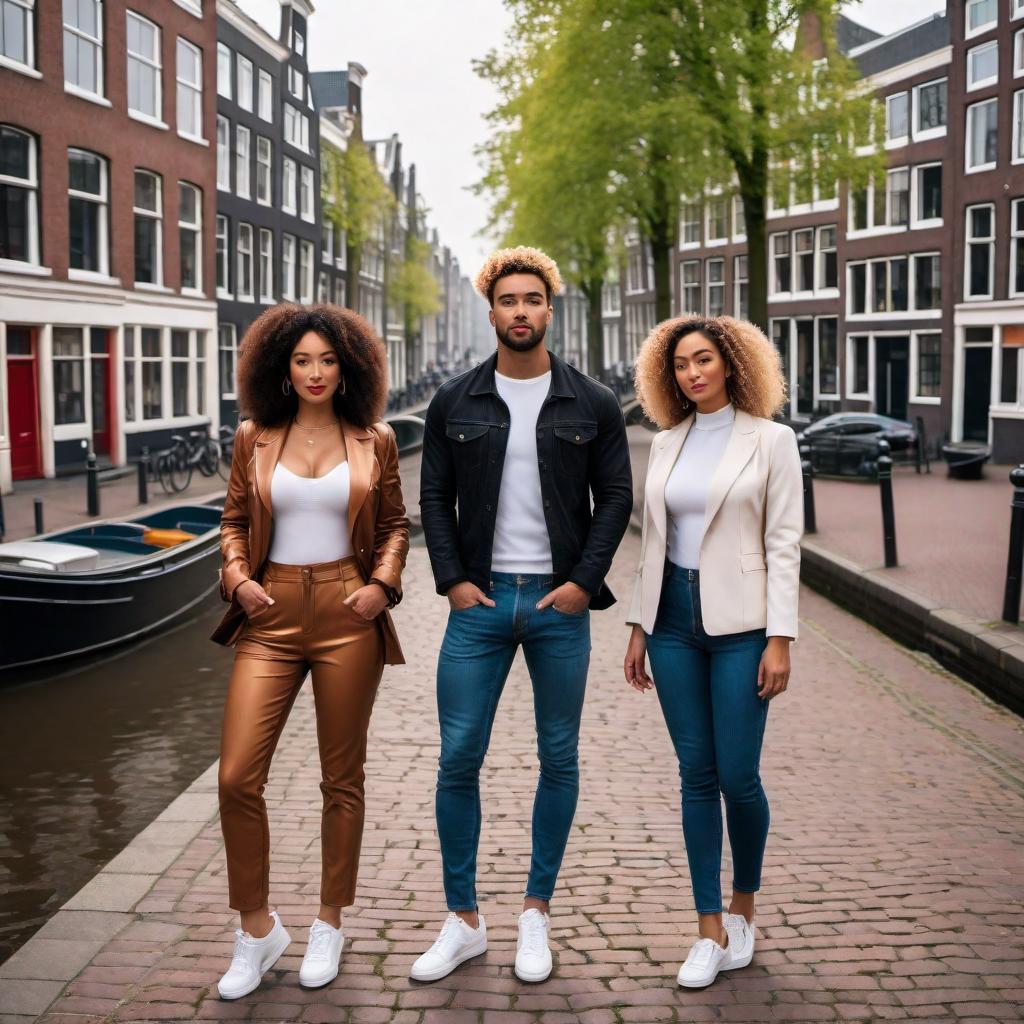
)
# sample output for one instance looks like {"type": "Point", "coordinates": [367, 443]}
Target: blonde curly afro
{"type": "Point", "coordinates": [756, 384]}
{"type": "Point", "coordinates": [520, 260]}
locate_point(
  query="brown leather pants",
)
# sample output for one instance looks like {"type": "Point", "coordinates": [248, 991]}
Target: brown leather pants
{"type": "Point", "coordinates": [307, 628]}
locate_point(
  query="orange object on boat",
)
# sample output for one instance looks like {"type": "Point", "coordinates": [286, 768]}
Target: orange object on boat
{"type": "Point", "coordinates": [166, 538]}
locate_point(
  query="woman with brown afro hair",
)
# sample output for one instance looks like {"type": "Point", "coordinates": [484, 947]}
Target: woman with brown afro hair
{"type": "Point", "coordinates": [314, 538]}
{"type": "Point", "coordinates": [715, 598]}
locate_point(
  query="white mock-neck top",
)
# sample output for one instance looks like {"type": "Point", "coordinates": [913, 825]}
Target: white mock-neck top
{"type": "Point", "coordinates": [686, 492]}
{"type": "Point", "coordinates": [310, 516]}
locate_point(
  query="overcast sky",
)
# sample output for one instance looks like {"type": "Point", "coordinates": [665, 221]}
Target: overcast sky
{"type": "Point", "coordinates": [421, 85]}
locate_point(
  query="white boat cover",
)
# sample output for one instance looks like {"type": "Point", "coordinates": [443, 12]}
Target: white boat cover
{"type": "Point", "coordinates": [47, 554]}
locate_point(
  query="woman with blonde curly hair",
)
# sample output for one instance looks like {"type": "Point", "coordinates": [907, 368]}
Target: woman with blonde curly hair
{"type": "Point", "coordinates": [314, 537]}
{"type": "Point", "coordinates": [715, 598]}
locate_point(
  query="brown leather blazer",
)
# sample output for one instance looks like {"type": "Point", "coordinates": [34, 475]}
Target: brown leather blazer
{"type": "Point", "coordinates": [376, 516]}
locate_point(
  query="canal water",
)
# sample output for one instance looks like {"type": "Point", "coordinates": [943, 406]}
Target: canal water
{"type": "Point", "coordinates": [92, 754]}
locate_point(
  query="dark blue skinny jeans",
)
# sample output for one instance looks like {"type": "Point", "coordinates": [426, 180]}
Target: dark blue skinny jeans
{"type": "Point", "coordinates": [476, 655]}
{"type": "Point", "coordinates": [707, 686]}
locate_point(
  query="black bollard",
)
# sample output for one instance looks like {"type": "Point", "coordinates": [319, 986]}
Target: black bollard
{"type": "Point", "coordinates": [884, 464]}
{"type": "Point", "coordinates": [144, 476]}
{"type": "Point", "coordinates": [92, 485]}
{"type": "Point", "coordinates": [1011, 596]}
{"type": "Point", "coordinates": [810, 520]}
{"type": "Point", "coordinates": [37, 508]}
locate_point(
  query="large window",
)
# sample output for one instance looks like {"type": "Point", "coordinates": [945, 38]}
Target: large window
{"type": "Point", "coordinates": [190, 213]}
{"type": "Point", "coordinates": [87, 212]}
{"type": "Point", "coordinates": [266, 96]}
{"type": "Point", "coordinates": [289, 186]}
{"type": "Point", "coordinates": [223, 71]}
{"type": "Point", "coordinates": [244, 69]}
{"type": "Point", "coordinates": [898, 197]}
{"type": "Point", "coordinates": [296, 127]}
{"type": "Point", "coordinates": [689, 225]}
{"type": "Point", "coordinates": [83, 46]}
{"type": "Point", "coordinates": [897, 118]}
{"type": "Point", "coordinates": [928, 200]}
{"type": "Point", "coordinates": [981, 16]}
{"type": "Point", "coordinates": [803, 260]}
{"type": "Point", "coordinates": [982, 65]}
{"type": "Point", "coordinates": [927, 281]}
{"type": "Point", "coordinates": [981, 252]}
{"type": "Point", "coordinates": [741, 287]}
{"type": "Point", "coordinates": [828, 270]}
{"type": "Point", "coordinates": [68, 375]}
{"type": "Point", "coordinates": [17, 33]}
{"type": "Point", "coordinates": [982, 135]}
{"type": "Point", "coordinates": [264, 171]}
{"type": "Point", "coordinates": [1017, 153]}
{"type": "Point", "coordinates": [228, 345]}
{"type": "Point", "coordinates": [243, 274]}
{"type": "Point", "coordinates": [889, 291]}
{"type": "Point", "coordinates": [739, 219]}
{"type": "Point", "coordinates": [931, 109]}
{"type": "Point", "coordinates": [288, 267]}
{"type": "Point", "coordinates": [306, 194]}
{"type": "Point", "coordinates": [143, 67]}
{"type": "Point", "coordinates": [223, 153]}
{"type": "Point", "coordinates": [716, 287]}
{"type": "Point", "coordinates": [306, 251]}
{"type": "Point", "coordinates": [718, 219]}
{"type": "Point", "coordinates": [190, 90]}
{"type": "Point", "coordinates": [223, 287]}
{"type": "Point", "coordinates": [179, 372]}
{"type": "Point", "coordinates": [828, 357]}
{"type": "Point", "coordinates": [148, 211]}
{"type": "Point", "coordinates": [859, 355]}
{"type": "Point", "coordinates": [929, 365]}
{"type": "Point", "coordinates": [152, 375]}
{"type": "Point", "coordinates": [266, 265]}
{"type": "Point", "coordinates": [19, 184]}
{"type": "Point", "coordinates": [1017, 247]}
{"type": "Point", "coordinates": [243, 161]}
{"type": "Point", "coordinates": [781, 264]}
{"type": "Point", "coordinates": [691, 287]}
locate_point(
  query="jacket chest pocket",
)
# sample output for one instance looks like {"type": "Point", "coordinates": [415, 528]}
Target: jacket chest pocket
{"type": "Point", "coordinates": [468, 443]}
{"type": "Point", "coordinates": [573, 442]}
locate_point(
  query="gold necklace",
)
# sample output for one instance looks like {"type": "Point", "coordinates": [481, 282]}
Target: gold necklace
{"type": "Point", "coordinates": [311, 440]}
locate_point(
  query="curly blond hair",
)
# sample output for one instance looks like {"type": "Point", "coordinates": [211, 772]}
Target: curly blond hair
{"type": "Point", "coordinates": [756, 384]}
{"type": "Point", "coordinates": [520, 260]}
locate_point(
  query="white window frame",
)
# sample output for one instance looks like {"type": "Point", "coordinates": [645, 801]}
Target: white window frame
{"type": "Point", "coordinates": [289, 186]}
{"type": "Point", "coordinates": [296, 82]}
{"type": "Point", "coordinates": [243, 162]}
{"type": "Point", "coordinates": [307, 183]}
{"type": "Point", "coordinates": [28, 66]}
{"type": "Point", "coordinates": [264, 197]}
{"type": "Point", "coordinates": [871, 267]}
{"type": "Point", "coordinates": [102, 199]}
{"type": "Point", "coordinates": [298, 42]}
{"type": "Point", "coordinates": [828, 396]}
{"type": "Point", "coordinates": [223, 257]}
{"type": "Point", "coordinates": [223, 153]}
{"type": "Point", "coordinates": [1018, 53]}
{"type": "Point", "coordinates": [968, 169]}
{"type": "Point", "coordinates": [225, 79]}
{"type": "Point", "coordinates": [895, 141]}
{"type": "Point", "coordinates": [820, 288]}
{"type": "Point", "coordinates": [243, 69]}
{"type": "Point", "coordinates": [1016, 242]}
{"type": "Point", "coordinates": [889, 175]}
{"type": "Point", "coordinates": [141, 115]}
{"type": "Point", "coordinates": [851, 366]}
{"type": "Point", "coordinates": [192, 6]}
{"type": "Point", "coordinates": [232, 347]}
{"type": "Point", "coordinates": [97, 42]}
{"type": "Point", "coordinates": [1017, 135]}
{"type": "Point", "coordinates": [915, 196]}
{"type": "Point", "coordinates": [690, 286]}
{"type": "Point", "coordinates": [709, 284]}
{"type": "Point", "coordinates": [969, 33]}
{"type": "Point", "coordinates": [196, 227]}
{"type": "Point", "coordinates": [713, 198]}
{"type": "Point", "coordinates": [988, 240]}
{"type": "Point", "coordinates": [773, 282]}
{"type": "Point", "coordinates": [972, 53]}
{"type": "Point", "coordinates": [1016, 9]}
{"type": "Point", "coordinates": [736, 212]}
{"type": "Point", "coordinates": [914, 396]}
{"type": "Point", "coordinates": [266, 265]}
{"type": "Point", "coordinates": [30, 185]}
{"type": "Point", "coordinates": [289, 261]}
{"type": "Point", "coordinates": [158, 216]}
{"type": "Point", "coordinates": [794, 264]}
{"type": "Point", "coordinates": [684, 223]}
{"type": "Point", "coordinates": [192, 91]}
{"type": "Point", "coordinates": [737, 282]}
{"type": "Point", "coordinates": [296, 127]}
{"type": "Point", "coordinates": [243, 252]}
{"type": "Point", "coordinates": [914, 257]}
{"type": "Point", "coordinates": [307, 270]}
{"type": "Point", "coordinates": [265, 96]}
{"type": "Point", "coordinates": [922, 134]}
{"type": "Point", "coordinates": [327, 232]}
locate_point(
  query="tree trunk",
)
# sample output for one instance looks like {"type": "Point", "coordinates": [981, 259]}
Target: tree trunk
{"type": "Point", "coordinates": [753, 182]}
{"type": "Point", "coordinates": [662, 248]}
{"type": "Point", "coordinates": [353, 262]}
{"type": "Point", "coordinates": [595, 327]}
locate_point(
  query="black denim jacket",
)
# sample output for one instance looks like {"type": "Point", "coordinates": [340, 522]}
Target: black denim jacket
{"type": "Point", "coordinates": [581, 449]}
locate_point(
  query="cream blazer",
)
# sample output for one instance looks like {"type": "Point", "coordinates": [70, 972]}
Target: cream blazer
{"type": "Point", "coordinates": [750, 554]}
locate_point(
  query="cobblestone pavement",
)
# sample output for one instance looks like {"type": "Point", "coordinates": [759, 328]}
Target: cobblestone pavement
{"type": "Point", "coordinates": [894, 881]}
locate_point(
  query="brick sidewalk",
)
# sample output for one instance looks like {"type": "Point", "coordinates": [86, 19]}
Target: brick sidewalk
{"type": "Point", "coordinates": [893, 882]}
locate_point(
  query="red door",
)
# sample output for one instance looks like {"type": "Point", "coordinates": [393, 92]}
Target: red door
{"type": "Point", "coordinates": [23, 397]}
{"type": "Point", "coordinates": [102, 411]}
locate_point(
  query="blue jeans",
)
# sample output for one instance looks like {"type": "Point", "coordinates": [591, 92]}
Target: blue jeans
{"type": "Point", "coordinates": [707, 686]}
{"type": "Point", "coordinates": [479, 645]}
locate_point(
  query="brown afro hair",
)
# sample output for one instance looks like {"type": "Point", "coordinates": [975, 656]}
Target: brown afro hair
{"type": "Point", "coordinates": [265, 355]}
{"type": "Point", "coordinates": [521, 260]}
{"type": "Point", "coordinates": [756, 384]}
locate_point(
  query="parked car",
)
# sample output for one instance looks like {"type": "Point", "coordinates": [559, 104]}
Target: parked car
{"type": "Point", "coordinates": [846, 443]}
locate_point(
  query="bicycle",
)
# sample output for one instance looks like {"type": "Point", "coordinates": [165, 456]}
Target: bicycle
{"type": "Point", "coordinates": [196, 451]}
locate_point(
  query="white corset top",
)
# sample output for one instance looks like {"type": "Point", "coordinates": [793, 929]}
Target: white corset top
{"type": "Point", "coordinates": [310, 516]}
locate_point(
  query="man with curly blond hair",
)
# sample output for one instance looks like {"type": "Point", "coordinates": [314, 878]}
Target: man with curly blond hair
{"type": "Point", "coordinates": [513, 453]}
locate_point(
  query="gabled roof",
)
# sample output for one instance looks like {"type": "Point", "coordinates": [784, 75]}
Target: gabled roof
{"type": "Point", "coordinates": [849, 34]}
{"type": "Point", "coordinates": [901, 47]}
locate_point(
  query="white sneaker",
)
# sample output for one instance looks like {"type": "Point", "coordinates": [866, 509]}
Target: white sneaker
{"type": "Point", "coordinates": [533, 958]}
{"type": "Point", "coordinates": [323, 954]}
{"type": "Point", "coordinates": [456, 944]}
{"type": "Point", "coordinates": [741, 941]}
{"type": "Point", "coordinates": [252, 959]}
{"type": "Point", "coordinates": [702, 965]}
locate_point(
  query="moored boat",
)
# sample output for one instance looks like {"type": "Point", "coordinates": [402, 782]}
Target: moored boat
{"type": "Point", "coordinates": [93, 586]}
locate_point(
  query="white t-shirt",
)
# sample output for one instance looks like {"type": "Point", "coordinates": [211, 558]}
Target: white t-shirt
{"type": "Point", "coordinates": [521, 542]}
{"type": "Point", "coordinates": [686, 492]}
{"type": "Point", "coordinates": [310, 516]}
